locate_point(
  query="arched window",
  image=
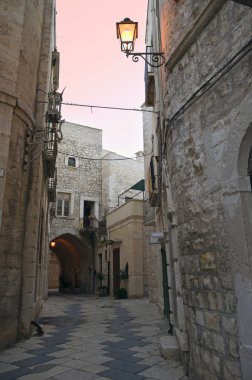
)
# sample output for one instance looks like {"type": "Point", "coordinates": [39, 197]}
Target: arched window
{"type": "Point", "coordinates": [250, 167]}
{"type": "Point", "coordinates": [72, 162]}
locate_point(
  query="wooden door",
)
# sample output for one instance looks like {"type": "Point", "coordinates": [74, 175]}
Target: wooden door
{"type": "Point", "coordinates": [116, 268]}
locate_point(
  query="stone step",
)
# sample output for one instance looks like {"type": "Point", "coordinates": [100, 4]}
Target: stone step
{"type": "Point", "coordinates": [168, 347]}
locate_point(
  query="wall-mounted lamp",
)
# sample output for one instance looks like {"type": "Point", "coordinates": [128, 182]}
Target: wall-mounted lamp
{"type": "Point", "coordinates": [52, 244]}
{"type": "Point", "coordinates": [127, 31]}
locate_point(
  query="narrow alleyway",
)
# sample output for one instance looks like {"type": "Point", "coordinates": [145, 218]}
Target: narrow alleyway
{"type": "Point", "coordinates": [93, 338]}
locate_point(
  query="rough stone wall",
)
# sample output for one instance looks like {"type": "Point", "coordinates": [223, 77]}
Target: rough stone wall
{"type": "Point", "coordinates": [198, 145]}
{"type": "Point", "coordinates": [25, 58]}
{"type": "Point", "coordinates": [118, 176]}
{"type": "Point", "coordinates": [176, 21]}
{"type": "Point", "coordinates": [93, 180]}
{"type": "Point", "coordinates": [83, 183]}
{"type": "Point", "coordinates": [81, 142]}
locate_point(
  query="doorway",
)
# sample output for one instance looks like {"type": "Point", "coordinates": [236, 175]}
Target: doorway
{"type": "Point", "coordinates": [88, 210]}
{"type": "Point", "coordinates": [116, 268]}
{"type": "Point", "coordinates": [165, 283]}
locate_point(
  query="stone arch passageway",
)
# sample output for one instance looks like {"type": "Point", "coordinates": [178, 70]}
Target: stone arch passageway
{"type": "Point", "coordinates": [70, 264]}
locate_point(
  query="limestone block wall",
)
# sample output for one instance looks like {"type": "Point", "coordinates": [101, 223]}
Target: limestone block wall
{"type": "Point", "coordinates": [201, 150]}
{"type": "Point", "coordinates": [82, 181]}
{"type": "Point", "coordinates": [26, 43]}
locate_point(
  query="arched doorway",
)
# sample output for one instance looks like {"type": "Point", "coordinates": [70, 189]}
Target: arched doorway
{"type": "Point", "coordinates": [73, 258]}
{"type": "Point", "coordinates": [243, 281]}
{"type": "Point", "coordinates": [238, 207]}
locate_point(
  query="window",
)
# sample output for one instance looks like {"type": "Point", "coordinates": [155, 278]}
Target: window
{"type": "Point", "coordinates": [72, 162]}
{"type": "Point", "coordinates": [88, 210]}
{"type": "Point", "coordinates": [63, 204]}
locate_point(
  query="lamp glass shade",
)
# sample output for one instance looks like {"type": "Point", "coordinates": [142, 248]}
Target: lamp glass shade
{"type": "Point", "coordinates": [52, 244]}
{"type": "Point", "coordinates": [127, 31]}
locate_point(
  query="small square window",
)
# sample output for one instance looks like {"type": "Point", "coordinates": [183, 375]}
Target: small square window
{"type": "Point", "coordinates": [72, 162]}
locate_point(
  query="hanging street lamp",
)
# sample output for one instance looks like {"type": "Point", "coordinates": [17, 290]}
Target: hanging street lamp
{"type": "Point", "coordinates": [127, 32]}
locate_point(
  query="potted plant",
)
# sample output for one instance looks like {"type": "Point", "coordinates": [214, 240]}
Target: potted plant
{"type": "Point", "coordinates": [121, 293]}
{"type": "Point", "coordinates": [103, 290]}
{"type": "Point", "coordinates": [124, 277]}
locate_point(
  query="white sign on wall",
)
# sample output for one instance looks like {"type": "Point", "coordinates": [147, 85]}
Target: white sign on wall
{"type": "Point", "coordinates": [2, 172]}
{"type": "Point", "coordinates": [156, 238]}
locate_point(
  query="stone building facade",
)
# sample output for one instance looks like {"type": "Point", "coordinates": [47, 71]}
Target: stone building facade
{"type": "Point", "coordinates": [27, 41]}
{"type": "Point", "coordinates": [89, 181]}
{"type": "Point", "coordinates": [119, 175]}
{"type": "Point", "coordinates": [125, 254]}
{"type": "Point", "coordinates": [79, 185]}
{"type": "Point", "coordinates": [203, 141]}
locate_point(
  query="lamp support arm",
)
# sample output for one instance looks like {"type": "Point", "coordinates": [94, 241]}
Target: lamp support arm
{"type": "Point", "coordinates": [152, 59]}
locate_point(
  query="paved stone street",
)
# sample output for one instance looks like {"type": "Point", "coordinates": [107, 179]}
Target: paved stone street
{"type": "Point", "coordinates": [93, 338]}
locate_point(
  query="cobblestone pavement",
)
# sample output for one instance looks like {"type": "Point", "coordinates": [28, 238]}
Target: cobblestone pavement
{"type": "Point", "coordinates": [92, 338]}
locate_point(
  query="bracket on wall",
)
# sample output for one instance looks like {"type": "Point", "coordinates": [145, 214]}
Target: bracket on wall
{"type": "Point", "coordinates": [152, 59]}
{"type": "Point", "coordinates": [244, 2]}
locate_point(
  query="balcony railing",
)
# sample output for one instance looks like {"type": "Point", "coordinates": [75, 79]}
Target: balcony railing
{"type": "Point", "coordinates": [50, 151]}
{"type": "Point", "coordinates": [88, 226]}
{"type": "Point", "coordinates": [52, 183]}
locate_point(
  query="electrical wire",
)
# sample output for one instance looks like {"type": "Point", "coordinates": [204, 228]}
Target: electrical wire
{"type": "Point", "coordinates": [106, 159]}
{"type": "Point", "coordinates": [212, 81]}
{"type": "Point", "coordinates": [102, 107]}
{"type": "Point", "coordinates": [110, 108]}
{"type": "Point", "coordinates": [27, 162]}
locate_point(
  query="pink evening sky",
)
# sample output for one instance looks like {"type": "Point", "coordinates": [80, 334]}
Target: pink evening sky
{"type": "Point", "coordinates": [95, 71]}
